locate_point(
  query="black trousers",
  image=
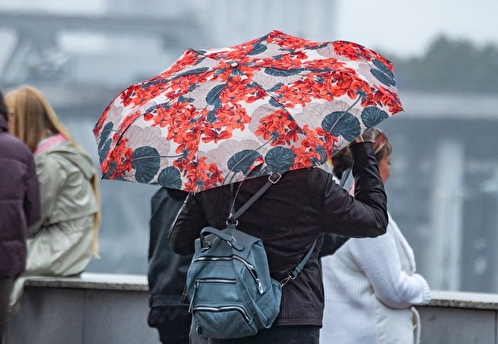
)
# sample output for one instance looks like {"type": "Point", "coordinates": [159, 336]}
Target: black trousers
{"type": "Point", "coordinates": [274, 335]}
{"type": "Point", "coordinates": [172, 323]}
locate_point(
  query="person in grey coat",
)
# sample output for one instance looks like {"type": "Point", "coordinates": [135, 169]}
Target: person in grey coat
{"type": "Point", "coordinates": [19, 209]}
{"type": "Point", "coordinates": [64, 241]}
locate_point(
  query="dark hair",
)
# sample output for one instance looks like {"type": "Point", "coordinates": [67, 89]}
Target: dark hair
{"type": "Point", "coordinates": [3, 107]}
{"type": "Point", "coordinates": [343, 160]}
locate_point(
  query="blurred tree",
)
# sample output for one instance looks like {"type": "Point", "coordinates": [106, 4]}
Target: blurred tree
{"type": "Point", "coordinates": [450, 66]}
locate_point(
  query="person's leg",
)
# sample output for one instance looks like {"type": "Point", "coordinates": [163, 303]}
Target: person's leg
{"type": "Point", "coordinates": [279, 335]}
{"type": "Point", "coordinates": [16, 294]}
{"type": "Point", "coordinates": [172, 323]}
{"type": "Point", "coordinates": [5, 290]}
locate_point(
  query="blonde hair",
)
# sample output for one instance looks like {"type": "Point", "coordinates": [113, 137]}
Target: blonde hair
{"type": "Point", "coordinates": [382, 146]}
{"type": "Point", "coordinates": [34, 119]}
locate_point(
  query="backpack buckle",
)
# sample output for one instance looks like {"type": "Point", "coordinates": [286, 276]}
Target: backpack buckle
{"type": "Point", "coordinates": [274, 177]}
{"type": "Point", "coordinates": [231, 221]}
{"type": "Point", "coordinates": [233, 243]}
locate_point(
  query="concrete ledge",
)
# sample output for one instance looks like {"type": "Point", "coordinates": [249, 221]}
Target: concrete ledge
{"type": "Point", "coordinates": [88, 309]}
{"type": "Point", "coordinates": [108, 308]}
{"type": "Point", "coordinates": [447, 299]}
{"type": "Point", "coordinates": [459, 317]}
{"type": "Point", "coordinates": [452, 299]}
{"type": "Point", "coordinates": [92, 281]}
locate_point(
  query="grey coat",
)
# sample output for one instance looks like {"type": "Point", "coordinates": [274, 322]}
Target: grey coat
{"type": "Point", "coordinates": [60, 243]}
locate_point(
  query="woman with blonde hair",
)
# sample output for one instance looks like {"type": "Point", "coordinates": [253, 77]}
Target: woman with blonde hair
{"type": "Point", "coordinates": [63, 242]}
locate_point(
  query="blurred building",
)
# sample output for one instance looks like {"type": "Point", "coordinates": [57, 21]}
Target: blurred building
{"type": "Point", "coordinates": [81, 61]}
{"type": "Point", "coordinates": [232, 22]}
{"type": "Point", "coordinates": [443, 191]}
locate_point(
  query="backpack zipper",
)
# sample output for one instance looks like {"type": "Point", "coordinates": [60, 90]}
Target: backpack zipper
{"type": "Point", "coordinates": [252, 271]}
{"type": "Point", "coordinates": [207, 280]}
{"type": "Point", "coordinates": [224, 309]}
{"type": "Point", "coordinates": [213, 280]}
{"type": "Point", "coordinates": [248, 265]}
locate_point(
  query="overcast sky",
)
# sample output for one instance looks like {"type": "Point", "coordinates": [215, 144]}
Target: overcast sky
{"type": "Point", "coordinates": [408, 27]}
{"type": "Point", "coordinates": [401, 27]}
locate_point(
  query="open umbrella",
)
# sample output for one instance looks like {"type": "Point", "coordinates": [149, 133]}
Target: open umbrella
{"type": "Point", "coordinates": [218, 116]}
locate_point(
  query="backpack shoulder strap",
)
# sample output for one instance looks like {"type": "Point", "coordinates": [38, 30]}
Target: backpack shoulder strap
{"type": "Point", "coordinates": [299, 267]}
{"type": "Point", "coordinates": [272, 179]}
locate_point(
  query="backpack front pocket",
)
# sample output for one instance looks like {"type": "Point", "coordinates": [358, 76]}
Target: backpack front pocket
{"type": "Point", "coordinates": [224, 316]}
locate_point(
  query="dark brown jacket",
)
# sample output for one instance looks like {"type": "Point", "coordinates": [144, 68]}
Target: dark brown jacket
{"type": "Point", "coordinates": [302, 206]}
{"type": "Point", "coordinates": [19, 201]}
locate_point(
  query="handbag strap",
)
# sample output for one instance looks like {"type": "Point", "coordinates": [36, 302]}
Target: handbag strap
{"type": "Point", "coordinates": [232, 219]}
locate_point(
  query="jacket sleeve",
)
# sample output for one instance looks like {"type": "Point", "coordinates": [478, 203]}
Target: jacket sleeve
{"type": "Point", "coordinates": [32, 206]}
{"type": "Point", "coordinates": [380, 260]}
{"type": "Point", "coordinates": [187, 226]}
{"type": "Point", "coordinates": [52, 178]}
{"type": "Point", "coordinates": [365, 214]}
{"type": "Point", "coordinates": [164, 205]}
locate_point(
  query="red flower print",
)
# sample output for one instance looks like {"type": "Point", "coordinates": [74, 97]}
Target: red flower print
{"type": "Point", "coordinates": [121, 159]}
{"type": "Point", "coordinates": [127, 95]}
{"type": "Point", "coordinates": [100, 123]}
{"type": "Point", "coordinates": [236, 89]}
{"type": "Point", "coordinates": [189, 58]}
{"type": "Point", "coordinates": [279, 127]}
{"type": "Point", "coordinates": [273, 91]}
{"type": "Point", "coordinates": [231, 117]}
{"type": "Point", "coordinates": [211, 135]}
{"type": "Point", "coordinates": [202, 175]}
{"type": "Point", "coordinates": [128, 121]}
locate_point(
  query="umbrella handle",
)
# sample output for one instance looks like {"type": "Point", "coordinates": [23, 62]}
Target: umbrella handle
{"type": "Point", "coordinates": [223, 236]}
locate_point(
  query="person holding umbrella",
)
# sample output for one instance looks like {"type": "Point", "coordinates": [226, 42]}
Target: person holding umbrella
{"type": "Point", "coordinates": [277, 105]}
{"type": "Point", "coordinates": [289, 217]}
{"type": "Point", "coordinates": [370, 283]}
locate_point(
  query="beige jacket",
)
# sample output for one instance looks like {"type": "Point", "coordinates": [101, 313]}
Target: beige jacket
{"type": "Point", "coordinates": [60, 244]}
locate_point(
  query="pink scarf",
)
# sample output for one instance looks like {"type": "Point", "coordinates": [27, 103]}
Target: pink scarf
{"type": "Point", "coordinates": [49, 142]}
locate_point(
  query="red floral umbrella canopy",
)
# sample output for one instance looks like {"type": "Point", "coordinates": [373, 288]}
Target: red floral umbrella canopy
{"type": "Point", "coordinates": [218, 116]}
